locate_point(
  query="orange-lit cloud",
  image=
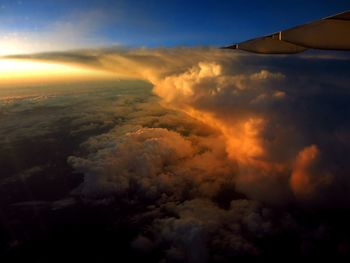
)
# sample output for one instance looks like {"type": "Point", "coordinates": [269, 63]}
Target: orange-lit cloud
{"type": "Point", "coordinates": [206, 82]}
{"type": "Point", "coordinates": [305, 179]}
{"type": "Point", "coordinates": [200, 86]}
{"type": "Point", "coordinates": [263, 117]}
{"type": "Point", "coordinates": [301, 181]}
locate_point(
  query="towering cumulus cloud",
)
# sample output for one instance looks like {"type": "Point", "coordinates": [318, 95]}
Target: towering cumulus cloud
{"type": "Point", "coordinates": [269, 110]}
{"type": "Point", "coordinates": [265, 131]}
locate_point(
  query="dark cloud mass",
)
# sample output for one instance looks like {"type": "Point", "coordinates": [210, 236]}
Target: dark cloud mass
{"type": "Point", "coordinates": [237, 157]}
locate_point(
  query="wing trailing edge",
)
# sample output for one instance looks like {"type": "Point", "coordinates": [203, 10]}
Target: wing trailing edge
{"type": "Point", "coordinates": [331, 33]}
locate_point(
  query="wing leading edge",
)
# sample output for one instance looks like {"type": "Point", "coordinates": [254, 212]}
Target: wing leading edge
{"type": "Point", "coordinates": [331, 33]}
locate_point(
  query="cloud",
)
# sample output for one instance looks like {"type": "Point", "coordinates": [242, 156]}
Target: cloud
{"type": "Point", "coordinates": [304, 180]}
{"type": "Point", "coordinates": [268, 110]}
{"type": "Point", "coordinates": [199, 231]}
{"type": "Point", "coordinates": [151, 163]}
{"type": "Point", "coordinates": [226, 161]}
{"type": "Point", "coordinates": [76, 30]}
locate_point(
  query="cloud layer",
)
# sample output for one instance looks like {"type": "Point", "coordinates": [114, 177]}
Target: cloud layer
{"type": "Point", "coordinates": [259, 132]}
{"type": "Point", "coordinates": [268, 113]}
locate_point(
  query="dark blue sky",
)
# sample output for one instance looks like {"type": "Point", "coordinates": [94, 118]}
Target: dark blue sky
{"type": "Point", "coordinates": [154, 22]}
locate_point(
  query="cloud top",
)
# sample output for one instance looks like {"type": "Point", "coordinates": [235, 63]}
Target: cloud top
{"type": "Point", "coordinates": [268, 110]}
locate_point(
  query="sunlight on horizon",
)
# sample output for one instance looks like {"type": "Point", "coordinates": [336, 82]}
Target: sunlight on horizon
{"type": "Point", "coordinates": [17, 71]}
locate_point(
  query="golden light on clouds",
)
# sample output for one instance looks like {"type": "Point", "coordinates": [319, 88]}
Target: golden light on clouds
{"type": "Point", "coordinates": [243, 136]}
{"type": "Point", "coordinates": [239, 105]}
{"type": "Point", "coordinates": [19, 71]}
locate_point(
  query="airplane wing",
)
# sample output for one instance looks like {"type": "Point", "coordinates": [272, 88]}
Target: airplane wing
{"type": "Point", "coordinates": [330, 33]}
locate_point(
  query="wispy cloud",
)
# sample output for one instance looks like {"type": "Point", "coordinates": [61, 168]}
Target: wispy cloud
{"type": "Point", "coordinates": [77, 30]}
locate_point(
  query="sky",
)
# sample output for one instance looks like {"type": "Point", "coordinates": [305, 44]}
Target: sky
{"type": "Point", "coordinates": [33, 25]}
{"type": "Point", "coordinates": [199, 154]}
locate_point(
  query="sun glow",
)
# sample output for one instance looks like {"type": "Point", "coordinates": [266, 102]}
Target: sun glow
{"type": "Point", "coordinates": [19, 71]}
